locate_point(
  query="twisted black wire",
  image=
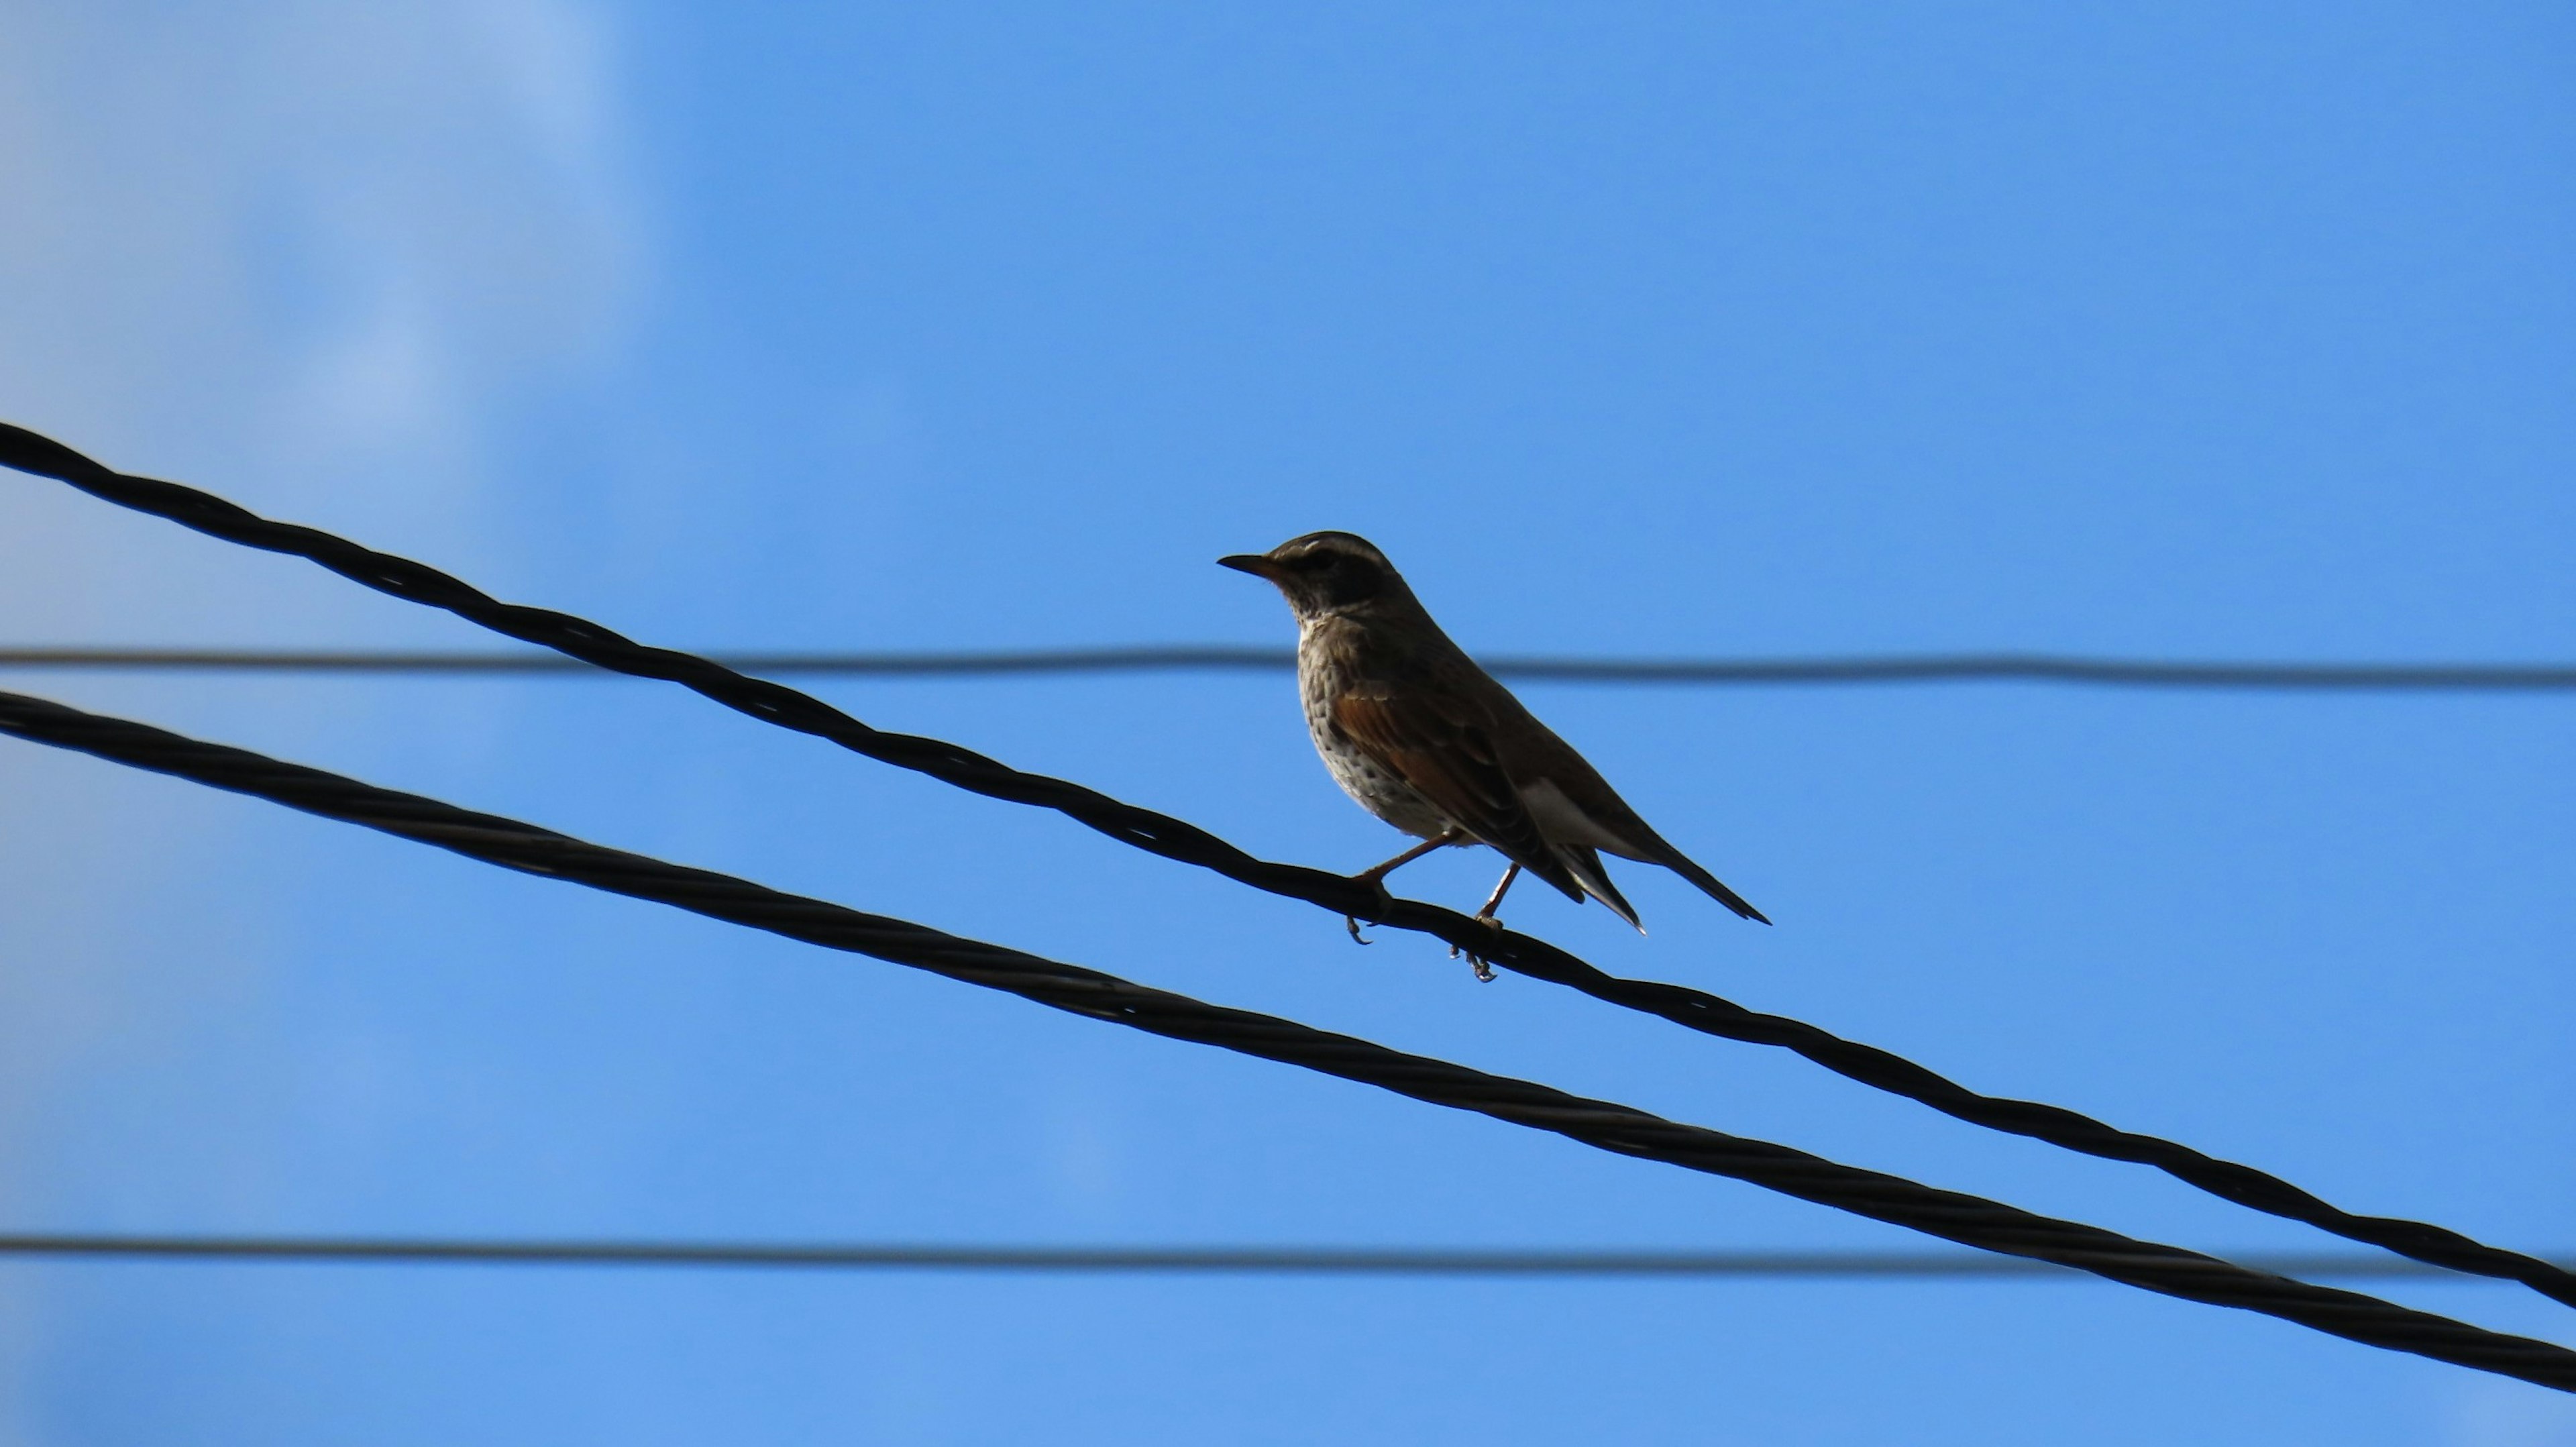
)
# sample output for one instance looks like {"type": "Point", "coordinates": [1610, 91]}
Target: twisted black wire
{"type": "Point", "coordinates": [1178, 840]}
{"type": "Point", "coordinates": [1228, 658]}
{"type": "Point", "coordinates": [1950, 1215]}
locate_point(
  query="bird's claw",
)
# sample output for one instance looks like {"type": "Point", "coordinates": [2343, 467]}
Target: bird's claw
{"type": "Point", "coordinates": [1375, 880]}
{"type": "Point", "coordinates": [1484, 971]}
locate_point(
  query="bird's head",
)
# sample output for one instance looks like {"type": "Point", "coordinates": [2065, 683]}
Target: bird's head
{"type": "Point", "coordinates": [1325, 573]}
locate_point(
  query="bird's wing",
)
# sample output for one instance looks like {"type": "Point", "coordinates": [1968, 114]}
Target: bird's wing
{"type": "Point", "coordinates": [1440, 745]}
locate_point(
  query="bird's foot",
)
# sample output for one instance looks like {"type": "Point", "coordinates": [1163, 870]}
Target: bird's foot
{"type": "Point", "coordinates": [1375, 879]}
{"type": "Point", "coordinates": [1484, 971]}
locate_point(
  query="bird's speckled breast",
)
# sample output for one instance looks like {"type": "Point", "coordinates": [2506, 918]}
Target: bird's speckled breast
{"type": "Point", "coordinates": [1325, 654]}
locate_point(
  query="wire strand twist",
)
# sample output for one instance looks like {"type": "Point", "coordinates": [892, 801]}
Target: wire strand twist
{"type": "Point", "coordinates": [1178, 840]}
{"type": "Point", "coordinates": [1949, 1215]}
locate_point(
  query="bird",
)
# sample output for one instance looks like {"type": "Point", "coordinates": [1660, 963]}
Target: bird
{"type": "Point", "coordinates": [1430, 743]}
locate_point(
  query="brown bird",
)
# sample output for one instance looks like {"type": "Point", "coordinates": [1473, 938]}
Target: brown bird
{"type": "Point", "coordinates": [1429, 742]}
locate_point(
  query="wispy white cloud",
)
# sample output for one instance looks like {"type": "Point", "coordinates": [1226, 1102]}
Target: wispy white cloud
{"type": "Point", "coordinates": [306, 253]}
{"type": "Point", "coordinates": [309, 245]}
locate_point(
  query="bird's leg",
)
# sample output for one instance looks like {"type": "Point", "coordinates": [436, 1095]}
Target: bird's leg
{"type": "Point", "coordinates": [1485, 972]}
{"type": "Point", "coordinates": [1377, 874]}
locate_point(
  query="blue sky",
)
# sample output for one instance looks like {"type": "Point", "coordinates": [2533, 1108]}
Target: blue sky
{"type": "Point", "coordinates": [1764, 329]}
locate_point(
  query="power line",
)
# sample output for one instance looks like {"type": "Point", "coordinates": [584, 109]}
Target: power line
{"type": "Point", "coordinates": [2249, 676]}
{"type": "Point", "coordinates": [1160, 1260]}
{"type": "Point", "coordinates": [1623, 1130]}
{"type": "Point", "coordinates": [1176, 839]}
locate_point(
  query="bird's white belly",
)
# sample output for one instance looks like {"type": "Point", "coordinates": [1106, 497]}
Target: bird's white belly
{"type": "Point", "coordinates": [1378, 791]}
{"type": "Point", "coordinates": [1374, 786]}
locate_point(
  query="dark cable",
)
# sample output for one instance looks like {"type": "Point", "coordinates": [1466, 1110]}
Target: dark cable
{"type": "Point", "coordinates": [1220, 658]}
{"type": "Point", "coordinates": [1159, 1260]}
{"type": "Point", "coordinates": [1179, 840]}
{"type": "Point", "coordinates": [1950, 1215]}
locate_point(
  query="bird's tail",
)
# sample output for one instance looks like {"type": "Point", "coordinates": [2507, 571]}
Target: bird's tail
{"type": "Point", "coordinates": [1675, 861]}
{"type": "Point", "coordinates": [1584, 863]}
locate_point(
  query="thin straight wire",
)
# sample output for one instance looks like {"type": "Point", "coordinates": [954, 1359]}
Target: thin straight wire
{"type": "Point", "coordinates": [2258, 676]}
{"type": "Point", "coordinates": [1179, 840]}
{"type": "Point", "coordinates": [1161, 1260]}
{"type": "Point", "coordinates": [1951, 1216]}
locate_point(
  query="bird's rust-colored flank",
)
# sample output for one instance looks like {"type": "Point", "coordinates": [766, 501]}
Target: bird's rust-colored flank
{"type": "Point", "coordinates": [1429, 742]}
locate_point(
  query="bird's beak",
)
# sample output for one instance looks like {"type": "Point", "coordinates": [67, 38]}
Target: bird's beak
{"type": "Point", "coordinates": [1256, 564]}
